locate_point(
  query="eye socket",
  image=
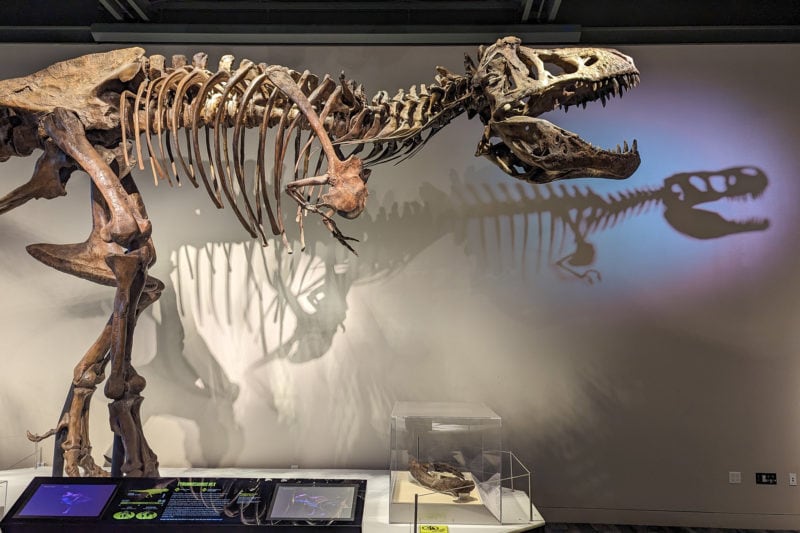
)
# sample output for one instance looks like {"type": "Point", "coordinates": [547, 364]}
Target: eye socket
{"type": "Point", "coordinates": [557, 66]}
{"type": "Point", "coordinates": [553, 69]}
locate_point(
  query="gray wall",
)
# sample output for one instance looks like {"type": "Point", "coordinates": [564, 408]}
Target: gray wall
{"type": "Point", "coordinates": [630, 398]}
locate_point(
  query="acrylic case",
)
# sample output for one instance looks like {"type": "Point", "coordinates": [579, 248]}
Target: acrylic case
{"type": "Point", "coordinates": [3, 496]}
{"type": "Point", "coordinates": [466, 436]}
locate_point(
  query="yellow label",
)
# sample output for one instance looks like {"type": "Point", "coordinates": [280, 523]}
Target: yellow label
{"type": "Point", "coordinates": [433, 529]}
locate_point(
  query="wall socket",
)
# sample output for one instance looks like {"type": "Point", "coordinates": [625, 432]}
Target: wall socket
{"type": "Point", "coordinates": [766, 478]}
{"type": "Point", "coordinates": [793, 479]}
{"type": "Point", "coordinates": [734, 477]}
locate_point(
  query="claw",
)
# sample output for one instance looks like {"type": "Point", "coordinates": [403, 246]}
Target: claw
{"type": "Point", "coordinates": [338, 235]}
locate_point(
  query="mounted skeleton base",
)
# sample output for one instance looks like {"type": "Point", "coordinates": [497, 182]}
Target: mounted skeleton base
{"type": "Point", "coordinates": [100, 113]}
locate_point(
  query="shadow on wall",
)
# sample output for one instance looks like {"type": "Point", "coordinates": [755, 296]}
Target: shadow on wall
{"type": "Point", "coordinates": [559, 220]}
{"type": "Point", "coordinates": [295, 305]}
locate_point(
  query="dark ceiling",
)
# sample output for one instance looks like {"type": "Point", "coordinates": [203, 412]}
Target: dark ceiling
{"type": "Point", "coordinates": [400, 21]}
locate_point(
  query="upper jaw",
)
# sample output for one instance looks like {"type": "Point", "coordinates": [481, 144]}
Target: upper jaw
{"type": "Point", "coordinates": [586, 75]}
{"type": "Point", "coordinates": [579, 92]}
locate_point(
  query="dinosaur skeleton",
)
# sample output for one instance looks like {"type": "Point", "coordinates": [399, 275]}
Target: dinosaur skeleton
{"type": "Point", "coordinates": [100, 112]}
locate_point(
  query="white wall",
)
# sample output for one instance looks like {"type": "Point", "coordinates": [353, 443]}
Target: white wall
{"type": "Point", "coordinates": [631, 398]}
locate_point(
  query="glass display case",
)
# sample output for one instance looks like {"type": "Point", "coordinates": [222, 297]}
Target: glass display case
{"type": "Point", "coordinates": [445, 464]}
{"type": "Point", "coordinates": [3, 495]}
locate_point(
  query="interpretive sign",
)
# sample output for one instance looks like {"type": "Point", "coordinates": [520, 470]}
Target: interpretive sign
{"type": "Point", "coordinates": [187, 504]}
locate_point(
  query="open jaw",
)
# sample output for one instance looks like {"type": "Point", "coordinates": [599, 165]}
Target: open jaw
{"type": "Point", "coordinates": [683, 192]}
{"type": "Point", "coordinates": [537, 150]}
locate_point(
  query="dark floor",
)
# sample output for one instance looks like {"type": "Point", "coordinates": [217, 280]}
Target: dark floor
{"type": "Point", "coordinates": [589, 528]}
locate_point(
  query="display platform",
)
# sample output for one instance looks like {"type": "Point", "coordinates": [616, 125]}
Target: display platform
{"type": "Point", "coordinates": [376, 501]}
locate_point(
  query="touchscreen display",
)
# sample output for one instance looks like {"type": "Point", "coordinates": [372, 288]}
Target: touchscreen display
{"type": "Point", "coordinates": [64, 500]}
{"type": "Point", "coordinates": [309, 502]}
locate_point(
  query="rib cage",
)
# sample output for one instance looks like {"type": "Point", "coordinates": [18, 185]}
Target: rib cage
{"type": "Point", "coordinates": [224, 104]}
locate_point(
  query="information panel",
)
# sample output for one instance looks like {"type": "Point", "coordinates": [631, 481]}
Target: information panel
{"type": "Point", "coordinates": [187, 504]}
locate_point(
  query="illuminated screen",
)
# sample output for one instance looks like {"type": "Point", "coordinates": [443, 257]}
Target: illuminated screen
{"type": "Point", "coordinates": [306, 502]}
{"type": "Point", "coordinates": [62, 500]}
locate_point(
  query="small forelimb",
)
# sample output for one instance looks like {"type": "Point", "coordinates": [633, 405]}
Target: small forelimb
{"type": "Point", "coordinates": [342, 238]}
{"type": "Point", "coordinates": [294, 190]}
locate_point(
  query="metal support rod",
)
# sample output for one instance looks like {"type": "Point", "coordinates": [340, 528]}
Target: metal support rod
{"type": "Point", "coordinates": [58, 440]}
{"type": "Point", "coordinates": [117, 456]}
{"type": "Point", "coordinates": [416, 507]}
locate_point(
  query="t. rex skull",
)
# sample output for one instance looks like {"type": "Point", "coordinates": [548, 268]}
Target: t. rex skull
{"type": "Point", "coordinates": [518, 84]}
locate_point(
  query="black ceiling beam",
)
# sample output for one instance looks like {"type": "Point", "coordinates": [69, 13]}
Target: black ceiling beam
{"type": "Point", "coordinates": [438, 34]}
{"type": "Point", "coordinates": [527, 7]}
{"type": "Point", "coordinates": [552, 11]}
{"type": "Point", "coordinates": [690, 34]}
{"type": "Point", "coordinates": [312, 5]}
{"type": "Point", "coordinates": [400, 35]}
{"type": "Point", "coordinates": [142, 8]}
{"type": "Point", "coordinates": [46, 34]}
{"type": "Point", "coordinates": [112, 8]}
{"type": "Point", "coordinates": [334, 34]}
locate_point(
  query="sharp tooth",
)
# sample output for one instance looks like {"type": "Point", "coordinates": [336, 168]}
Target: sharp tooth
{"type": "Point", "coordinates": [634, 147]}
{"type": "Point", "coordinates": [625, 145]}
{"type": "Point", "coordinates": [584, 104]}
{"type": "Point", "coordinates": [603, 99]}
{"type": "Point", "coordinates": [616, 85]}
{"type": "Point", "coordinates": [594, 86]}
{"type": "Point", "coordinates": [617, 150]}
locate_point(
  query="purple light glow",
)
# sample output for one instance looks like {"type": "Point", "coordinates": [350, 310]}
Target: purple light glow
{"type": "Point", "coordinates": [68, 500]}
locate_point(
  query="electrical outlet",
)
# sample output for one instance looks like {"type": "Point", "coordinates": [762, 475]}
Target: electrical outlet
{"type": "Point", "coordinates": [793, 479]}
{"type": "Point", "coordinates": [766, 478]}
{"type": "Point", "coordinates": [734, 477]}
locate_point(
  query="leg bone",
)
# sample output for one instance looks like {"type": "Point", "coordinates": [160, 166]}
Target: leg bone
{"type": "Point", "coordinates": [125, 225]}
